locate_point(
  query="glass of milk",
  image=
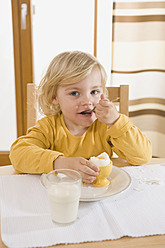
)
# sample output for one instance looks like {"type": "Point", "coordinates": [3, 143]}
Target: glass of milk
{"type": "Point", "coordinates": [64, 189]}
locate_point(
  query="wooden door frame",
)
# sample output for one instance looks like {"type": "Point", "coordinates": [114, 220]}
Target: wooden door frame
{"type": "Point", "coordinates": [23, 61]}
{"type": "Point", "coordinates": [23, 66]}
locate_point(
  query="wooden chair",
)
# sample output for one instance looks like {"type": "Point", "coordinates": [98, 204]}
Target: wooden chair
{"type": "Point", "coordinates": [122, 92]}
{"type": "Point", "coordinates": [31, 105]}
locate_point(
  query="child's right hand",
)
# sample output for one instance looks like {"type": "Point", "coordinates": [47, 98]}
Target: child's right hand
{"type": "Point", "coordinates": [106, 111]}
{"type": "Point", "coordinates": [88, 170]}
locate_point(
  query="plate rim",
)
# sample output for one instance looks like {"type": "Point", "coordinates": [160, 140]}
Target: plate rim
{"type": "Point", "coordinates": [103, 196]}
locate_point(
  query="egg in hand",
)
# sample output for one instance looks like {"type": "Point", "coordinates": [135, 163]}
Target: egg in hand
{"type": "Point", "coordinates": [105, 165]}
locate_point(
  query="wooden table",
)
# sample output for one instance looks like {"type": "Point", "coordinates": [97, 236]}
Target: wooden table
{"type": "Point", "coordinates": [156, 241]}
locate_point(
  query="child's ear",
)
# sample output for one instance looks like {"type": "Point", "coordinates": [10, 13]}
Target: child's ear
{"type": "Point", "coordinates": [54, 100]}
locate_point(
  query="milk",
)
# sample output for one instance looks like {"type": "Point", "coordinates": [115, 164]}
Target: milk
{"type": "Point", "coordinates": [64, 202]}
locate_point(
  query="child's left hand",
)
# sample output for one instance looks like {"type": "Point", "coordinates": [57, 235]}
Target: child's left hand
{"type": "Point", "coordinates": [106, 111]}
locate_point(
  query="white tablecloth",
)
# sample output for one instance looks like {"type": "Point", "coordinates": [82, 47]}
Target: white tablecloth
{"type": "Point", "coordinates": [138, 211]}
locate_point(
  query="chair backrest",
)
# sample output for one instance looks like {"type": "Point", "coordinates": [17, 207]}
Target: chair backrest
{"type": "Point", "coordinates": [122, 92]}
{"type": "Point", "coordinates": [31, 105]}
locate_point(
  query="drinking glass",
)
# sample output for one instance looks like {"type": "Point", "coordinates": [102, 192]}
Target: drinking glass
{"type": "Point", "coordinates": [64, 190]}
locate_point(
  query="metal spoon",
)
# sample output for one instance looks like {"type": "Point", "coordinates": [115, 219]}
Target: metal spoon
{"type": "Point", "coordinates": [113, 100]}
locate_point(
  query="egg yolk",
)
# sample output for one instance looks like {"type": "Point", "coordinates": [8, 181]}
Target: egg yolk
{"type": "Point", "coordinates": [101, 158]}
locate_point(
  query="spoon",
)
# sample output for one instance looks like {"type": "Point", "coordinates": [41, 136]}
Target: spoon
{"type": "Point", "coordinates": [113, 100]}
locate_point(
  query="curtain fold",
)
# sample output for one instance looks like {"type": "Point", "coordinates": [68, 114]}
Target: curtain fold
{"type": "Point", "coordinates": [138, 59]}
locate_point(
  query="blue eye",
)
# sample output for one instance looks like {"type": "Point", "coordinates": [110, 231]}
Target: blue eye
{"type": "Point", "coordinates": [74, 93]}
{"type": "Point", "coordinates": [94, 92]}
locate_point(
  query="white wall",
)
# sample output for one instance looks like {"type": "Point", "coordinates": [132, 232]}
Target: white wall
{"type": "Point", "coordinates": [69, 25]}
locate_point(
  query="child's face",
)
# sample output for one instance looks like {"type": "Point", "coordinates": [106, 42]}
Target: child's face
{"type": "Point", "coordinates": [76, 98]}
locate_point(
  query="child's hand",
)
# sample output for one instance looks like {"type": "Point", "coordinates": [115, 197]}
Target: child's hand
{"type": "Point", "coordinates": [88, 170]}
{"type": "Point", "coordinates": [106, 111]}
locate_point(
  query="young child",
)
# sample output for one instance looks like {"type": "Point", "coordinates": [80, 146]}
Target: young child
{"type": "Point", "coordinates": [69, 135]}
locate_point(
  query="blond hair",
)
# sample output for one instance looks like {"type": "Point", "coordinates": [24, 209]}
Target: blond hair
{"type": "Point", "coordinates": [66, 68]}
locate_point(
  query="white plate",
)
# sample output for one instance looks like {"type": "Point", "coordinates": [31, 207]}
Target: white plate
{"type": "Point", "coordinates": [120, 181]}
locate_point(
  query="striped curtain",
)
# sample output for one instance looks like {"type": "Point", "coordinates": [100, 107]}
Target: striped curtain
{"type": "Point", "coordinates": [138, 59]}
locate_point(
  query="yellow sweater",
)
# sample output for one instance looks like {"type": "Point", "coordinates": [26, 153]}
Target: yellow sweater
{"type": "Point", "coordinates": [49, 138]}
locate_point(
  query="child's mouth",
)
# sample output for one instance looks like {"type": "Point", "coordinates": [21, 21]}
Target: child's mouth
{"type": "Point", "coordinates": [87, 112]}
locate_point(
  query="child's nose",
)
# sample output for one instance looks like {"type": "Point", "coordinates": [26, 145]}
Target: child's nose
{"type": "Point", "coordinates": [86, 100]}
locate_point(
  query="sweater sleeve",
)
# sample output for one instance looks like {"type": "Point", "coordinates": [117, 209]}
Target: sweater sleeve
{"type": "Point", "coordinates": [33, 153]}
{"type": "Point", "coordinates": [128, 142]}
